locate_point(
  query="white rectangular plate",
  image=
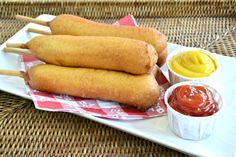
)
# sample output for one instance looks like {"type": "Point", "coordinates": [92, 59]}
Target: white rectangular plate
{"type": "Point", "coordinates": [221, 143]}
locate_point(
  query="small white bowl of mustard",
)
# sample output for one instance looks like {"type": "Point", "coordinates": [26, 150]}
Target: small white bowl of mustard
{"type": "Point", "coordinates": [192, 64]}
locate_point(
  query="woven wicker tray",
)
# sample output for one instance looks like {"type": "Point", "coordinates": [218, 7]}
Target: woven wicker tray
{"type": "Point", "coordinates": [29, 132]}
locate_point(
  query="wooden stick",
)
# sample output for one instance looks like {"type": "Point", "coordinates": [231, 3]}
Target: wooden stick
{"type": "Point", "coordinates": [12, 73]}
{"type": "Point", "coordinates": [18, 51]}
{"type": "Point", "coordinates": [33, 30]}
{"type": "Point", "coordinates": [17, 45]}
{"type": "Point", "coordinates": [30, 19]}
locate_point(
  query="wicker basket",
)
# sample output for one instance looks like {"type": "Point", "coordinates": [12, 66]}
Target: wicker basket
{"type": "Point", "coordinates": [118, 8]}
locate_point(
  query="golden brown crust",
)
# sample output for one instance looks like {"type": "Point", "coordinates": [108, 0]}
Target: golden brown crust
{"type": "Point", "coordinates": [83, 27]}
{"type": "Point", "coordinates": [156, 71]}
{"type": "Point", "coordinates": [162, 57]}
{"type": "Point", "coordinates": [140, 91]}
{"type": "Point", "coordinates": [153, 56]}
{"type": "Point", "coordinates": [112, 53]}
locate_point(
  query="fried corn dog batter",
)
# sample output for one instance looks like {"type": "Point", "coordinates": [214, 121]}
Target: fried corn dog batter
{"type": "Point", "coordinates": [74, 25]}
{"type": "Point", "coordinates": [162, 55]}
{"type": "Point", "coordinates": [112, 53]}
{"type": "Point", "coordinates": [141, 91]}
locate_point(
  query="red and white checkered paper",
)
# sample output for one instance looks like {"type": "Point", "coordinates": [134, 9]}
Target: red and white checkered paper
{"type": "Point", "coordinates": [99, 108]}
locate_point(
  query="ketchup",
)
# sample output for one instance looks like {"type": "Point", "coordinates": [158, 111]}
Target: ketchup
{"type": "Point", "coordinates": [193, 101]}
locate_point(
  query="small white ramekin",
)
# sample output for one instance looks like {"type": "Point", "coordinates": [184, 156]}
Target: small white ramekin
{"type": "Point", "coordinates": [190, 127]}
{"type": "Point", "coordinates": [176, 78]}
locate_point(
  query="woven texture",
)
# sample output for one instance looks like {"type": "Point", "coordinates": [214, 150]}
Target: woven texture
{"type": "Point", "coordinates": [29, 132]}
{"type": "Point", "coordinates": [119, 8]}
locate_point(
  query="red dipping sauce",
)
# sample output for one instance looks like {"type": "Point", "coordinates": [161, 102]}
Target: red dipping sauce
{"type": "Point", "coordinates": [193, 101]}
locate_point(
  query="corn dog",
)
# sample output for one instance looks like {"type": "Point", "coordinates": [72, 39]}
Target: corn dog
{"type": "Point", "coordinates": [162, 55]}
{"type": "Point", "coordinates": [112, 53]}
{"type": "Point", "coordinates": [141, 91]}
{"type": "Point", "coordinates": [74, 25]}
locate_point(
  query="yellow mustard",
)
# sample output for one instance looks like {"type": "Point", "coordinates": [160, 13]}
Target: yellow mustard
{"type": "Point", "coordinates": [193, 63]}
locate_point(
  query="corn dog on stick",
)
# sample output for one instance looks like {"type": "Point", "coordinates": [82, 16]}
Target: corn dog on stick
{"type": "Point", "coordinates": [112, 53]}
{"type": "Point", "coordinates": [162, 55]}
{"type": "Point", "coordinates": [141, 91]}
{"type": "Point", "coordinates": [74, 25]}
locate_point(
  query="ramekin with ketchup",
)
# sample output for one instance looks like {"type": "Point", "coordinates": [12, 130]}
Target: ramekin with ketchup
{"type": "Point", "coordinates": [191, 64]}
{"type": "Point", "coordinates": [193, 108]}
